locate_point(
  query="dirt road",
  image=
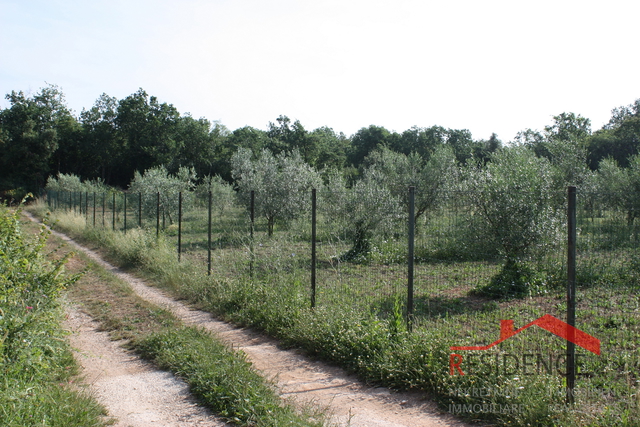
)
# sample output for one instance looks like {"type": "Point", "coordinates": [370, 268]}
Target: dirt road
{"type": "Point", "coordinates": [119, 379]}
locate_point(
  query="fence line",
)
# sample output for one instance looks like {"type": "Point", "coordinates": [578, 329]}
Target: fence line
{"type": "Point", "coordinates": [446, 255]}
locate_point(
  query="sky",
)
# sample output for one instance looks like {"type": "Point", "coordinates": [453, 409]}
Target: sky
{"type": "Point", "coordinates": [488, 66]}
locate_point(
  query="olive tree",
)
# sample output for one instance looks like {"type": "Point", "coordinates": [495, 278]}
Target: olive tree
{"type": "Point", "coordinates": [222, 194]}
{"type": "Point", "coordinates": [514, 197]}
{"type": "Point", "coordinates": [158, 180]}
{"type": "Point", "coordinates": [364, 209]}
{"type": "Point", "coordinates": [516, 203]}
{"type": "Point", "coordinates": [281, 183]}
{"type": "Point", "coordinates": [620, 187]}
{"type": "Point", "coordinates": [398, 172]}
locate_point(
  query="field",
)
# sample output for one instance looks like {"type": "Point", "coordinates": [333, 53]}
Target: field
{"type": "Point", "coordinates": [359, 319]}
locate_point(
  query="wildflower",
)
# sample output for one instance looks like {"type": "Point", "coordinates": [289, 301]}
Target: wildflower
{"type": "Point", "coordinates": [29, 307]}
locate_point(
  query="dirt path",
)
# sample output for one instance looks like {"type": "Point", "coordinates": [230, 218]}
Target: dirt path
{"type": "Point", "coordinates": [133, 391]}
{"type": "Point", "coordinates": [348, 401]}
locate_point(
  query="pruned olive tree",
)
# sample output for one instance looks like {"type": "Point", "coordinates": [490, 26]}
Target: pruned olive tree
{"type": "Point", "coordinates": [398, 172]}
{"type": "Point", "coordinates": [365, 209]}
{"type": "Point", "coordinates": [158, 180]}
{"type": "Point", "coordinates": [620, 187]}
{"type": "Point", "coordinates": [282, 183]}
{"type": "Point", "coordinates": [222, 193]}
{"type": "Point", "coordinates": [515, 201]}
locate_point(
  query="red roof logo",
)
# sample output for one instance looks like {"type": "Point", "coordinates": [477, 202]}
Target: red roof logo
{"type": "Point", "coordinates": [551, 324]}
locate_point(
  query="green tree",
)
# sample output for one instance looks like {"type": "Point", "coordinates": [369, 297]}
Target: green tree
{"type": "Point", "coordinates": [281, 183]}
{"type": "Point", "coordinates": [330, 148]}
{"type": "Point", "coordinates": [33, 128]}
{"type": "Point", "coordinates": [515, 198]}
{"type": "Point", "coordinates": [159, 180]}
{"type": "Point", "coordinates": [287, 136]}
{"type": "Point", "coordinates": [423, 141]}
{"type": "Point", "coordinates": [362, 211]}
{"type": "Point", "coordinates": [245, 137]}
{"type": "Point", "coordinates": [398, 172]}
{"type": "Point", "coordinates": [103, 148]}
{"type": "Point", "coordinates": [620, 187]}
{"type": "Point", "coordinates": [619, 139]}
{"type": "Point", "coordinates": [222, 193]}
{"type": "Point", "coordinates": [151, 133]}
{"type": "Point", "coordinates": [198, 142]}
{"type": "Point", "coordinates": [365, 141]}
{"type": "Point", "coordinates": [514, 206]}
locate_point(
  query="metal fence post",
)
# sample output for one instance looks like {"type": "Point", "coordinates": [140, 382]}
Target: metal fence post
{"type": "Point", "coordinates": [571, 291]}
{"type": "Point", "coordinates": [313, 247]}
{"type": "Point", "coordinates": [140, 209]}
{"type": "Point", "coordinates": [124, 196]}
{"type": "Point", "coordinates": [113, 216]}
{"type": "Point", "coordinates": [94, 208]}
{"type": "Point", "coordinates": [252, 214]}
{"type": "Point", "coordinates": [157, 214]}
{"type": "Point", "coordinates": [410, 257]}
{"type": "Point", "coordinates": [179, 225]}
{"type": "Point", "coordinates": [209, 238]}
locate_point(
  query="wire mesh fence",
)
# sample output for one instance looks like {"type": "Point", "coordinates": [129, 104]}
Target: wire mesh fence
{"type": "Point", "coordinates": [478, 260]}
{"type": "Point", "coordinates": [364, 252]}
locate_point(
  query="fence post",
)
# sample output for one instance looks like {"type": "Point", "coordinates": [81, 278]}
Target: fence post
{"type": "Point", "coordinates": [124, 196]}
{"type": "Point", "coordinates": [571, 291]}
{"type": "Point", "coordinates": [157, 214]}
{"type": "Point", "coordinates": [94, 208]}
{"type": "Point", "coordinates": [140, 209]}
{"type": "Point", "coordinates": [86, 205]}
{"type": "Point", "coordinates": [113, 216]}
{"type": "Point", "coordinates": [410, 257]}
{"type": "Point", "coordinates": [209, 238]}
{"type": "Point", "coordinates": [252, 214]}
{"type": "Point", "coordinates": [179, 225]}
{"type": "Point", "coordinates": [104, 202]}
{"type": "Point", "coordinates": [313, 247]}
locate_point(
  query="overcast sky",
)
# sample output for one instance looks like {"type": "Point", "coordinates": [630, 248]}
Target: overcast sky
{"type": "Point", "coordinates": [487, 66]}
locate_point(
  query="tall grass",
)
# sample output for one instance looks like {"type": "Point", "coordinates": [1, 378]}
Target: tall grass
{"type": "Point", "coordinates": [36, 362]}
{"type": "Point", "coordinates": [370, 339]}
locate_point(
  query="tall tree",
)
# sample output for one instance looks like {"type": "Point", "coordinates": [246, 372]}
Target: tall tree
{"type": "Point", "coordinates": [365, 141]}
{"type": "Point", "coordinates": [103, 148]}
{"type": "Point", "coordinates": [32, 129]}
{"type": "Point", "coordinates": [330, 148]}
{"type": "Point", "coordinates": [619, 139]}
{"type": "Point", "coordinates": [423, 141]}
{"type": "Point", "coordinates": [150, 130]}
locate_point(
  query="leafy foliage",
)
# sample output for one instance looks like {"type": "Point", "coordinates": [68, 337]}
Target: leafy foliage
{"type": "Point", "coordinates": [35, 360]}
{"type": "Point", "coordinates": [158, 181]}
{"type": "Point", "coordinates": [281, 183]}
{"type": "Point", "coordinates": [369, 206]}
{"type": "Point", "coordinates": [72, 183]}
{"type": "Point", "coordinates": [430, 178]}
{"type": "Point", "coordinates": [514, 198]}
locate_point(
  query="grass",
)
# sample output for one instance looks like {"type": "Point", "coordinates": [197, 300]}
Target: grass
{"type": "Point", "coordinates": [220, 378]}
{"type": "Point", "coordinates": [37, 366]}
{"type": "Point", "coordinates": [356, 323]}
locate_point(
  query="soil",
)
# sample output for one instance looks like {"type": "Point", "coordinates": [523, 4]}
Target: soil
{"type": "Point", "coordinates": [138, 395]}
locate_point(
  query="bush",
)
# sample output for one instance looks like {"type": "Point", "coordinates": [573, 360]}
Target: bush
{"type": "Point", "coordinates": [35, 360]}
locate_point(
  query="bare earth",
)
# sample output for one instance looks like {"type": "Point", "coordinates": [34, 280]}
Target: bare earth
{"type": "Point", "coordinates": [139, 395]}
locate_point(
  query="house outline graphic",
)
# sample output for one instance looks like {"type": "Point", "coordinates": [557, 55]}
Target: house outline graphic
{"type": "Point", "coordinates": [549, 323]}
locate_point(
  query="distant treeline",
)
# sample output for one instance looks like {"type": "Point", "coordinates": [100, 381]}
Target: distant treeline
{"type": "Point", "coordinates": [40, 137]}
